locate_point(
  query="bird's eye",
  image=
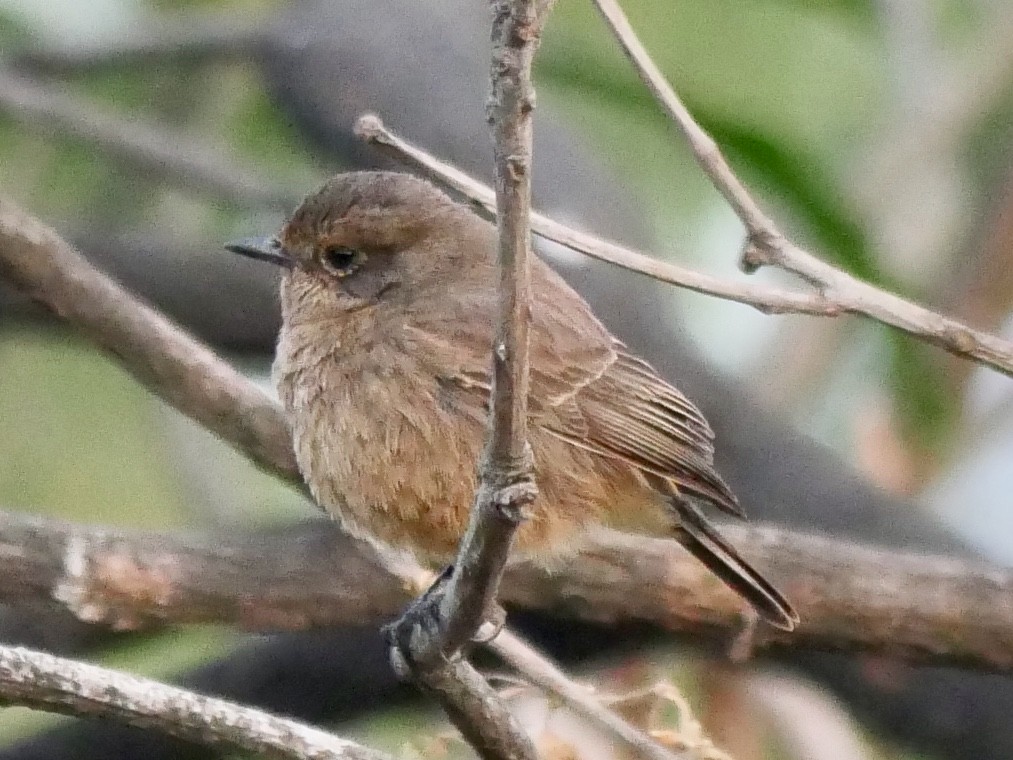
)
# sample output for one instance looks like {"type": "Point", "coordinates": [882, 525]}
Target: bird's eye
{"type": "Point", "coordinates": [341, 261]}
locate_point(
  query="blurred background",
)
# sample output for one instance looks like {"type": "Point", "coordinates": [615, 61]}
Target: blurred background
{"type": "Point", "coordinates": [876, 132]}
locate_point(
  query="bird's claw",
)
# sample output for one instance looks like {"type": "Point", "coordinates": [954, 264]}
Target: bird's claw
{"type": "Point", "coordinates": [418, 625]}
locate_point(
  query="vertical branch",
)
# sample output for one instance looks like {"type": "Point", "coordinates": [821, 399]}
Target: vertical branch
{"type": "Point", "coordinates": [509, 112]}
{"type": "Point", "coordinates": [507, 485]}
{"type": "Point", "coordinates": [430, 652]}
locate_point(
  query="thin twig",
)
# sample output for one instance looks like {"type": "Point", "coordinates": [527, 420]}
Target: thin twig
{"type": "Point", "coordinates": [541, 672]}
{"type": "Point", "coordinates": [767, 246]}
{"type": "Point", "coordinates": [369, 127]}
{"type": "Point", "coordinates": [151, 147]}
{"type": "Point", "coordinates": [704, 149]}
{"type": "Point", "coordinates": [860, 299]}
{"type": "Point", "coordinates": [39, 680]}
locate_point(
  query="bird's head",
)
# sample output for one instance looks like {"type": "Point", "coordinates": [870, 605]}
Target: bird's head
{"type": "Point", "coordinates": [369, 237]}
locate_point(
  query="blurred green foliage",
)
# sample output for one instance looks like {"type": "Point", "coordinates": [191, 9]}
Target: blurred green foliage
{"type": "Point", "coordinates": [73, 419]}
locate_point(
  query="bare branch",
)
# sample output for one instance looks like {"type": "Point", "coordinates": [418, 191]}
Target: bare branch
{"type": "Point", "coordinates": [151, 147]}
{"type": "Point", "coordinates": [769, 300]}
{"type": "Point", "coordinates": [841, 293]}
{"type": "Point", "coordinates": [168, 362]}
{"type": "Point", "coordinates": [766, 245]}
{"type": "Point", "coordinates": [129, 580]}
{"type": "Point", "coordinates": [65, 686]}
{"type": "Point", "coordinates": [704, 149]}
{"type": "Point", "coordinates": [925, 608]}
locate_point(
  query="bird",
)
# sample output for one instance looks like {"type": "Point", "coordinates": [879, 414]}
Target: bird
{"type": "Point", "coordinates": [383, 365]}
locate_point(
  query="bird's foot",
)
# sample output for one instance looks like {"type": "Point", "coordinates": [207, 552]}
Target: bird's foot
{"type": "Point", "coordinates": [419, 627]}
{"type": "Point", "coordinates": [418, 632]}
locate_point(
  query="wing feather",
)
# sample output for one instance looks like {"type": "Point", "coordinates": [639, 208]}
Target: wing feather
{"type": "Point", "coordinates": [632, 414]}
{"type": "Point", "coordinates": [587, 388]}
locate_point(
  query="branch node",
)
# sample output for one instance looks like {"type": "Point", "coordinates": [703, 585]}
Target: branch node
{"type": "Point", "coordinates": [960, 338]}
{"type": "Point", "coordinates": [369, 127]}
{"type": "Point", "coordinates": [517, 167]}
{"type": "Point", "coordinates": [756, 253]}
{"type": "Point", "coordinates": [512, 501]}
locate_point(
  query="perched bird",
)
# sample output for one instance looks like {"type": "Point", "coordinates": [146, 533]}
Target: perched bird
{"type": "Point", "coordinates": [383, 365]}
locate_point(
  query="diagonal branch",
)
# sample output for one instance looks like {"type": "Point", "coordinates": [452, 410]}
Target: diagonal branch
{"type": "Point", "coordinates": [55, 684]}
{"type": "Point", "coordinates": [839, 292]}
{"type": "Point", "coordinates": [766, 245]}
{"type": "Point", "coordinates": [769, 300]}
{"type": "Point", "coordinates": [545, 675]}
{"type": "Point", "coordinates": [163, 358]}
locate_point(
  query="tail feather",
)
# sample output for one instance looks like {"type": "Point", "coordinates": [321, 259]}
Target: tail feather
{"type": "Point", "coordinates": [704, 542]}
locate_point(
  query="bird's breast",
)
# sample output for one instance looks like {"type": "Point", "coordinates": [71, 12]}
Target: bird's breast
{"type": "Point", "coordinates": [376, 440]}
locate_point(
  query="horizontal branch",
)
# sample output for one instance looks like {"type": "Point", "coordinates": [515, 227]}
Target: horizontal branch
{"type": "Point", "coordinates": [768, 300]}
{"type": "Point", "coordinates": [132, 580]}
{"type": "Point", "coordinates": [767, 245]}
{"type": "Point", "coordinates": [925, 608]}
{"type": "Point", "coordinates": [55, 684]}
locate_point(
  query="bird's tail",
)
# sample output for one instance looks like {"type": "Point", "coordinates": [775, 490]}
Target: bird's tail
{"type": "Point", "coordinates": [704, 542]}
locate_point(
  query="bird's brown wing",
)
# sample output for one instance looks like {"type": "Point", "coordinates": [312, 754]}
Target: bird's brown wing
{"type": "Point", "coordinates": [631, 413]}
{"type": "Point", "coordinates": [587, 388]}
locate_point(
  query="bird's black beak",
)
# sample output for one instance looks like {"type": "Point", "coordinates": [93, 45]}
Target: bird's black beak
{"type": "Point", "coordinates": [263, 249]}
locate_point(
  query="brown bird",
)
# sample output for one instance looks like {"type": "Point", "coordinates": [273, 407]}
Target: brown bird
{"type": "Point", "coordinates": [383, 365]}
